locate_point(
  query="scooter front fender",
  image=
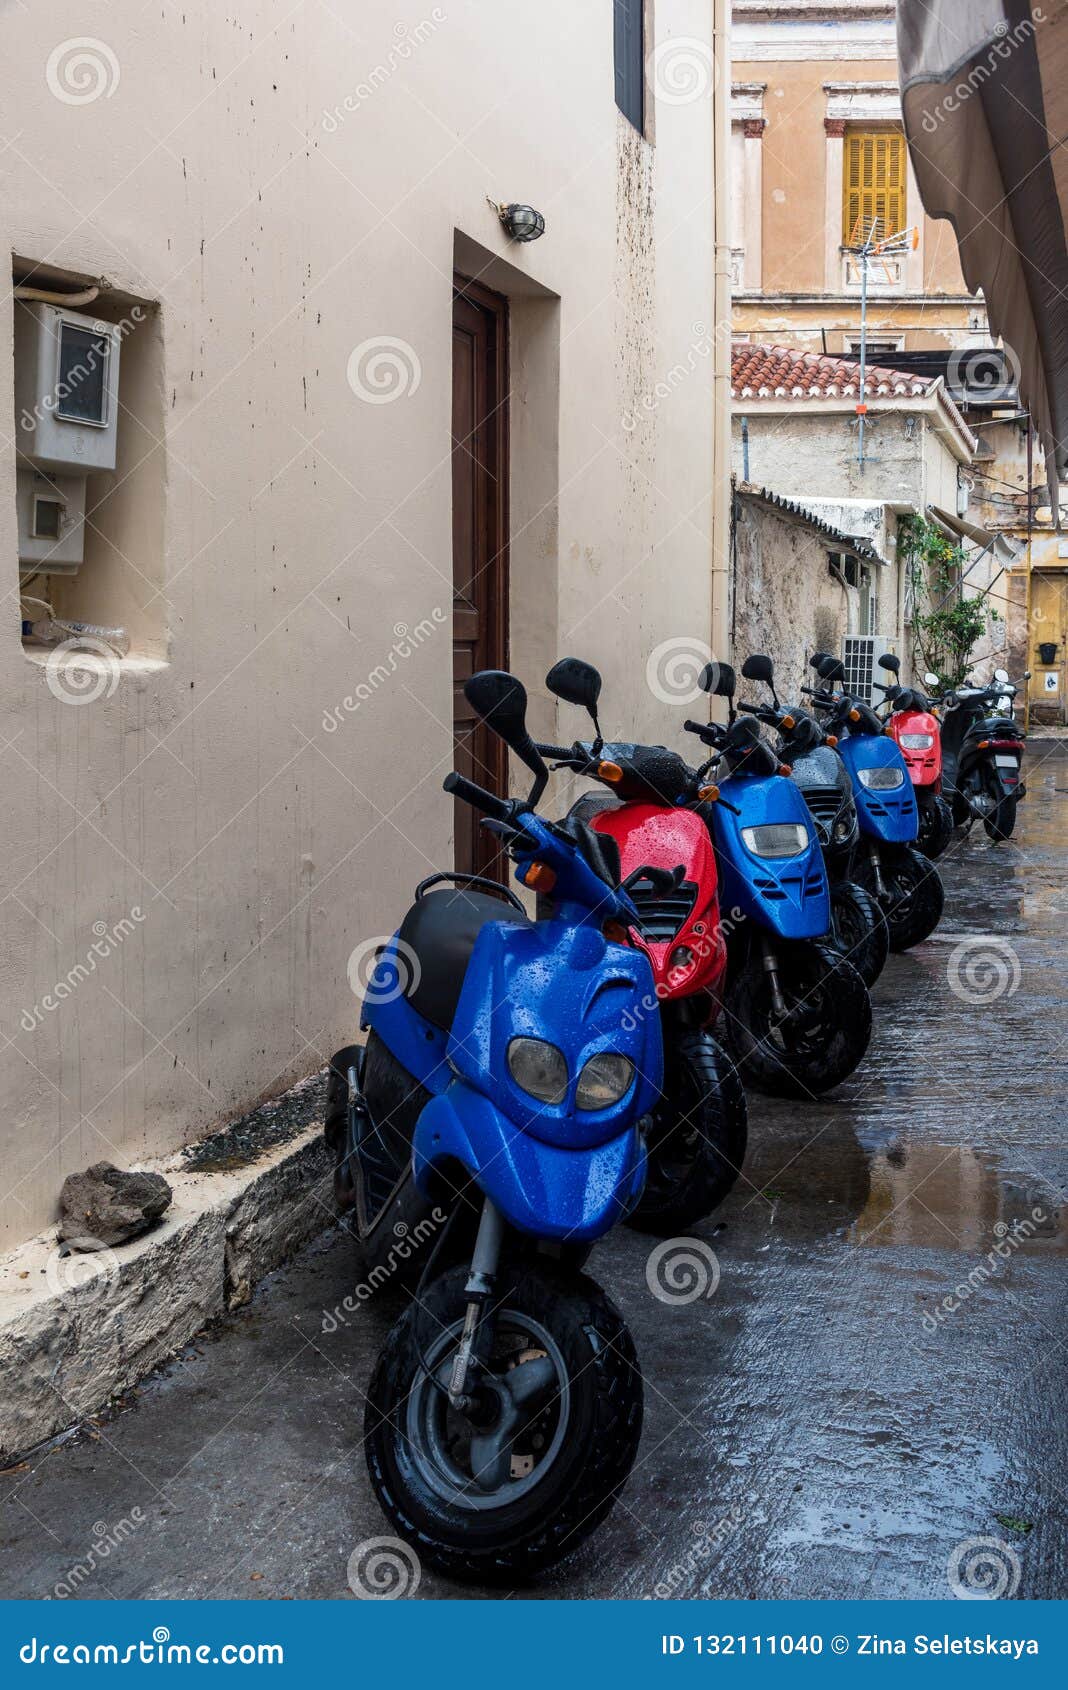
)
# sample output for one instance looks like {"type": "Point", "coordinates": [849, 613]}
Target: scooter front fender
{"type": "Point", "coordinates": [542, 1189]}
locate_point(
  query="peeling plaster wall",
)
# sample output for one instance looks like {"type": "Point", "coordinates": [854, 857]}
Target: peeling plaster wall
{"type": "Point", "coordinates": [786, 602]}
{"type": "Point", "coordinates": [287, 185]}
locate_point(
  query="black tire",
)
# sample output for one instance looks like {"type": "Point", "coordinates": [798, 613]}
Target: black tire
{"type": "Point", "coordinates": [335, 1121]}
{"type": "Point", "coordinates": [1001, 821]}
{"type": "Point", "coordinates": [598, 1405]}
{"type": "Point", "coordinates": [914, 895]}
{"type": "Point", "coordinates": [936, 826]}
{"type": "Point", "coordinates": [858, 931]}
{"type": "Point", "coordinates": [696, 1144]}
{"type": "Point", "coordinates": [817, 1046]}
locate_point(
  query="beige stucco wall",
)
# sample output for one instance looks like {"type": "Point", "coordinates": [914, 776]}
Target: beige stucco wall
{"type": "Point", "coordinates": [301, 535]}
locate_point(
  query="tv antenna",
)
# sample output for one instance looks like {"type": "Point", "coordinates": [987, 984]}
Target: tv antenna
{"type": "Point", "coordinates": [867, 245]}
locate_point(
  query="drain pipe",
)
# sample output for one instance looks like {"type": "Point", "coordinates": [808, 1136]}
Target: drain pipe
{"type": "Point", "coordinates": [721, 357]}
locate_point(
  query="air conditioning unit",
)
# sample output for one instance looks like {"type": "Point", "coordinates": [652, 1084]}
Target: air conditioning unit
{"type": "Point", "coordinates": [860, 658]}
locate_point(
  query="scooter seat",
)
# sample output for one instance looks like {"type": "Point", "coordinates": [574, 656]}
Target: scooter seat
{"type": "Point", "coordinates": [440, 931]}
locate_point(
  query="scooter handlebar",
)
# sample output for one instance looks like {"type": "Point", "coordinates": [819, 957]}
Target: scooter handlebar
{"type": "Point", "coordinates": [502, 809]}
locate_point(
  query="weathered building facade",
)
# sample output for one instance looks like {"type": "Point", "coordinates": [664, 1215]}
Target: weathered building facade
{"type": "Point", "coordinates": [818, 154]}
{"type": "Point", "coordinates": [365, 440]}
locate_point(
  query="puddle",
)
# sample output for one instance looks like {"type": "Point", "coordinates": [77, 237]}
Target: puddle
{"type": "Point", "coordinates": [946, 1197]}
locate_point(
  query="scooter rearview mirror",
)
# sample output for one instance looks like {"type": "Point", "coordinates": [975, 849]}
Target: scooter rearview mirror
{"type": "Point", "coordinates": [1001, 674]}
{"type": "Point", "coordinates": [828, 668]}
{"type": "Point", "coordinates": [500, 700]}
{"type": "Point", "coordinates": [576, 682]}
{"type": "Point", "coordinates": [719, 680]}
{"type": "Point", "coordinates": [931, 679]}
{"type": "Point", "coordinates": [758, 668]}
{"type": "Point", "coordinates": [889, 661]}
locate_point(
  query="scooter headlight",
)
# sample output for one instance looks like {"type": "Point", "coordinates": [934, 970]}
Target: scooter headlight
{"type": "Point", "coordinates": [604, 1080]}
{"type": "Point", "coordinates": [539, 1068]}
{"type": "Point", "coordinates": [776, 839]}
{"type": "Point", "coordinates": [917, 742]}
{"type": "Point", "coordinates": [881, 779]}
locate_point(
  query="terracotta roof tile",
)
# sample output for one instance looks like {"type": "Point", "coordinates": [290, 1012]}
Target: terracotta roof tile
{"type": "Point", "coordinates": [779, 372]}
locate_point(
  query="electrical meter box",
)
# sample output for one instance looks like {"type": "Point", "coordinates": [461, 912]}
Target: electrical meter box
{"type": "Point", "coordinates": [66, 389]}
{"type": "Point", "coordinates": [51, 517]}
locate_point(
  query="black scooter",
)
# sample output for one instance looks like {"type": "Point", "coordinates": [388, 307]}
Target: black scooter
{"type": "Point", "coordinates": [982, 750]}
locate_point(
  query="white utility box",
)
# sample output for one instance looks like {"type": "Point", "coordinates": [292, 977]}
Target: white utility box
{"type": "Point", "coordinates": [66, 425]}
{"type": "Point", "coordinates": [51, 518]}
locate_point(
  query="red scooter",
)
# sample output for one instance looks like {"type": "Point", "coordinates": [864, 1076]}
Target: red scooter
{"type": "Point", "coordinates": [912, 723]}
{"type": "Point", "coordinates": [697, 1137]}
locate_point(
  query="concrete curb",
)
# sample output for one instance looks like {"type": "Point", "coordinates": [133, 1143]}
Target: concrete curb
{"type": "Point", "coordinates": [69, 1344]}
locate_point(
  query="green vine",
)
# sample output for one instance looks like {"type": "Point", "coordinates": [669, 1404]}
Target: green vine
{"type": "Point", "coordinates": [945, 624]}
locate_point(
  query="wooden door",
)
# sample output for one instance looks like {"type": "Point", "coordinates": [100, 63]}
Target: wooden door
{"type": "Point", "coordinates": [479, 543]}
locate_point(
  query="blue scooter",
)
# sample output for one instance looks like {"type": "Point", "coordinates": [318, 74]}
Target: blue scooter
{"type": "Point", "coordinates": [797, 1014]}
{"type": "Point", "coordinates": [905, 884]}
{"type": "Point", "coordinates": [497, 1114]}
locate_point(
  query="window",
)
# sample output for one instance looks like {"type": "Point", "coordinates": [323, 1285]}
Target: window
{"type": "Point", "coordinates": [873, 184]}
{"type": "Point", "coordinates": [629, 45]}
{"type": "Point", "coordinates": [878, 349]}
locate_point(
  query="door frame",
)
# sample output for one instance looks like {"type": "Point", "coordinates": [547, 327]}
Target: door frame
{"type": "Point", "coordinates": [498, 641]}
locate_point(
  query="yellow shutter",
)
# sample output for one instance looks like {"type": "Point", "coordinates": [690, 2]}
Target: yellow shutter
{"type": "Point", "coordinates": [873, 184]}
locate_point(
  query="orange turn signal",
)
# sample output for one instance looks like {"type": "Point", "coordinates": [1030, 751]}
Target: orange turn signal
{"type": "Point", "coordinates": [540, 877]}
{"type": "Point", "coordinates": [610, 772]}
{"type": "Point", "coordinates": [786, 768]}
{"type": "Point", "coordinates": [788, 722]}
{"type": "Point", "coordinates": [854, 715]}
{"type": "Point", "coordinates": [830, 739]}
{"type": "Point", "coordinates": [984, 745]}
{"type": "Point", "coordinates": [708, 794]}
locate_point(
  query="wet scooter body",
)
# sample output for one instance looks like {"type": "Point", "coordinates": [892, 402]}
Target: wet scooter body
{"type": "Point", "coordinates": [797, 1016]}
{"type": "Point", "coordinates": [503, 1092]}
{"type": "Point", "coordinates": [982, 748]}
{"type": "Point", "coordinates": [697, 1136]}
{"type": "Point", "coordinates": [912, 723]}
{"type": "Point", "coordinates": [905, 884]}
{"type": "Point", "coordinates": [858, 930]}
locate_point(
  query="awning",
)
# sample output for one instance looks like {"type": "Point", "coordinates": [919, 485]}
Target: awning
{"type": "Point", "coordinates": [984, 97]}
{"type": "Point", "coordinates": [1005, 547]}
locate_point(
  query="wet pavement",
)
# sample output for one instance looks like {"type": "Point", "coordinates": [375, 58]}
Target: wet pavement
{"type": "Point", "coordinates": [821, 1425]}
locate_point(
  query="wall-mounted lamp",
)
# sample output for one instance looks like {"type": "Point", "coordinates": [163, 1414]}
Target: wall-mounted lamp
{"type": "Point", "coordinates": [522, 222]}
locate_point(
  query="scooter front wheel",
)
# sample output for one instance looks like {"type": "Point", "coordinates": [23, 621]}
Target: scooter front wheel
{"type": "Point", "coordinates": [936, 826]}
{"type": "Point", "coordinates": [912, 896]}
{"type": "Point", "coordinates": [814, 1036]}
{"type": "Point", "coordinates": [518, 1487]}
{"type": "Point", "coordinates": [860, 933]}
{"type": "Point", "coordinates": [696, 1145]}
